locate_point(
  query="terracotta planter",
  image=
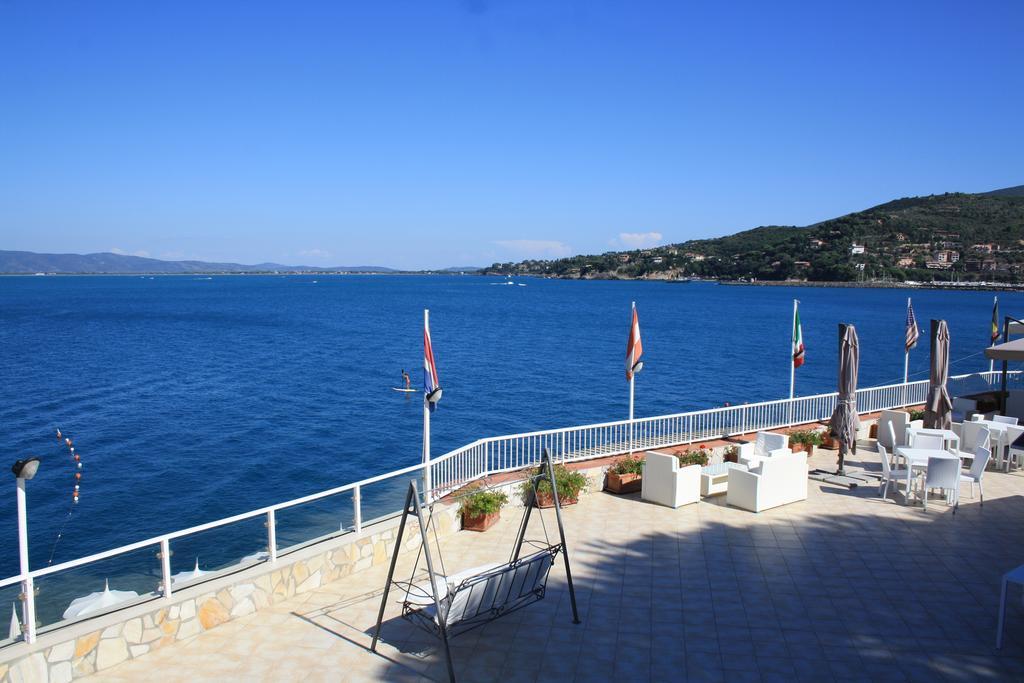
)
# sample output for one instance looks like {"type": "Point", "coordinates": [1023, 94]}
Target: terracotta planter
{"type": "Point", "coordinates": [802, 448]}
{"type": "Point", "coordinates": [873, 432]}
{"type": "Point", "coordinates": [480, 522]}
{"type": "Point", "coordinates": [622, 483]}
{"type": "Point", "coordinates": [546, 500]}
{"type": "Point", "coordinates": [828, 442]}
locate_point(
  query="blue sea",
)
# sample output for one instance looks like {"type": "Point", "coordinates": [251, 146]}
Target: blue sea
{"type": "Point", "coordinates": [194, 398]}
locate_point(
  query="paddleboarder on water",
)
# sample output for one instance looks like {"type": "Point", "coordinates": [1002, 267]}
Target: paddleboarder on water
{"type": "Point", "coordinates": [405, 378]}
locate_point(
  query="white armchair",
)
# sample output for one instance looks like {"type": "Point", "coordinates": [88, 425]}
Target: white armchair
{"type": "Point", "coordinates": [781, 480]}
{"type": "Point", "coordinates": [766, 445]}
{"type": "Point", "coordinates": [899, 420]}
{"type": "Point", "coordinates": [666, 483]}
{"type": "Point", "coordinates": [963, 408]}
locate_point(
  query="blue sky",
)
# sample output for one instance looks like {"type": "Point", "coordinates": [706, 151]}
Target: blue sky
{"type": "Point", "coordinates": [429, 134]}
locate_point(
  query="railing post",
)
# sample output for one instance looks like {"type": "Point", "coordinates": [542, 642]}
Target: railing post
{"type": "Point", "coordinates": [272, 535]}
{"type": "Point", "coordinates": [357, 502]}
{"type": "Point", "coordinates": [29, 596]}
{"type": "Point", "coordinates": [165, 566]}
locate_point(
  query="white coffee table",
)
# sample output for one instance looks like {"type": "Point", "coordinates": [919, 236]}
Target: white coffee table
{"type": "Point", "coordinates": [714, 479]}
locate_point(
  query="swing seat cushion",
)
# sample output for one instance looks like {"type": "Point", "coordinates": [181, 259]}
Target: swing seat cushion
{"type": "Point", "coordinates": [482, 594]}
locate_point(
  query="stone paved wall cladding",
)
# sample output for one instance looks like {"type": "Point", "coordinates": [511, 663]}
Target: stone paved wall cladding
{"type": "Point", "coordinates": [190, 616]}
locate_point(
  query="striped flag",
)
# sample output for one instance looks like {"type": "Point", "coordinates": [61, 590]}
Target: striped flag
{"type": "Point", "coordinates": [912, 332]}
{"type": "Point", "coordinates": [798, 340]}
{"type": "Point", "coordinates": [634, 347]}
{"type": "Point", "coordinates": [995, 320]}
{"type": "Point", "coordinates": [431, 384]}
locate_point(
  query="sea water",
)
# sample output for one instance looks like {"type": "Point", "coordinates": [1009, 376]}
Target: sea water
{"type": "Point", "coordinates": [193, 398]}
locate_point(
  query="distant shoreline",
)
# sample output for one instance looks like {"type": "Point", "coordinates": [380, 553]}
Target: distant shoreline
{"type": "Point", "coordinates": [234, 273]}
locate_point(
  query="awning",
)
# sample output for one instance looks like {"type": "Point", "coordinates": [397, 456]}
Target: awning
{"type": "Point", "coordinates": [1010, 351]}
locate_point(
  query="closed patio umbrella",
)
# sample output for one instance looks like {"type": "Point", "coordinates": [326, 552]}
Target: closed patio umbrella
{"type": "Point", "coordinates": [938, 407]}
{"type": "Point", "coordinates": [844, 422]}
{"type": "Point", "coordinates": [97, 602]}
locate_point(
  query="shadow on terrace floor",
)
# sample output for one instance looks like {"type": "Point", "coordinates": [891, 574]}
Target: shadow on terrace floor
{"type": "Point", "coordinates": [721, 595]}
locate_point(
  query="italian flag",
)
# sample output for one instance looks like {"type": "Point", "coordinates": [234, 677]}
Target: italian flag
{"type": "Point", "coordinates": [798, 340]}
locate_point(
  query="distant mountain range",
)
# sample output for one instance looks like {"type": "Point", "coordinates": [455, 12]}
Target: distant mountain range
{"type": "Point", "coordinates": [935, 238]}
{"type": "Point", "coordinates": [19, 262]}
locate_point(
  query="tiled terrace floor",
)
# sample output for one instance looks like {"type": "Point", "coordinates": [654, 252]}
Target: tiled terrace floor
{"type": "Point", "coordinates": [844, 586]}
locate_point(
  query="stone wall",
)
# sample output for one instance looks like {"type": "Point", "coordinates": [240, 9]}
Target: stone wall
{"type": "Point", "coordinates": [97, 644]}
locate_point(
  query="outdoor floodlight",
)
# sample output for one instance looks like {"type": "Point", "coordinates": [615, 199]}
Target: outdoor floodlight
{"type": "Point", "coordinates": [435, 395]}
{"type": "Point", "coordinates": [25, 469]}
{"type": "Point", "coordinates": [638, 366]}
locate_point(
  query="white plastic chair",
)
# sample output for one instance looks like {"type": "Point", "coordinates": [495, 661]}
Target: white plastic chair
{"type": "Point", "coordinates": [981, 457]}
{"type": "Point", "coordinates": [931, 442]}
{"type": "Point", "coordinates": [1013, 576]}
{"type": "Point", "coordinates": [943, 474]}
{"type": "Point", "coordinates": [892, 437]}
{"type": "Point", "coordinates": [972, 437]}
{"type": "Point", "coordinates": [1006, 454]}
{"type": "Point", "coordinates": [1005, 419]}
{"type": "Point", "coordinates": [889, 474]}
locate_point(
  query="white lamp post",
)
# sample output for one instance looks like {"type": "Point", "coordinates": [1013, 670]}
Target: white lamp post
{"type": "Point", "coordinates": [23, 471]}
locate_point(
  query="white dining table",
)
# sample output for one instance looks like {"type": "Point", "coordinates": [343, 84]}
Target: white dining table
{"type": "Point", "coordinates": [918, 458]}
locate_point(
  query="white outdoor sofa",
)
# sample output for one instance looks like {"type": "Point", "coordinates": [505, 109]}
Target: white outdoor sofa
{"type": "Point", "coordinates": [666, 483]}
{"type": "Point", "coordinates": [777, 481]}
{"type": "Point", "coordinates": [766, 445]}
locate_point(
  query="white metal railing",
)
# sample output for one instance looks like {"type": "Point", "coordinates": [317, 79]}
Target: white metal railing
{"type": "Point", "coordinates": [508, 453]}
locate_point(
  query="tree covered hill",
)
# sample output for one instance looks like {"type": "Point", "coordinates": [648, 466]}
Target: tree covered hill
{"type": "Point", "coordinates": [938, 237]}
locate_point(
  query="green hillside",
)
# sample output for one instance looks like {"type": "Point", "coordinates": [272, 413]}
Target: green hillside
{"type": "Point", "coordinates": [939, 237]}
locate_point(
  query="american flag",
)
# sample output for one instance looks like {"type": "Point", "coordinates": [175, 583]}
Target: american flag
{"type": "Point", "coordinates": [634, 348]}
{"type": "Point", "coordinates": [912, 332]}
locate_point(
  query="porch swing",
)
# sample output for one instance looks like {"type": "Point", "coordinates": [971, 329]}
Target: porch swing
{"type": "Point", "coordinates": [448, 605]}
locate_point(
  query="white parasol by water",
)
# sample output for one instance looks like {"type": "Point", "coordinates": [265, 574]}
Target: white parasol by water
{"type": "Point", "coordinates": [15, 631]}
{"type": "Point", "coordinates": [97, 602]}
{"type": "Point", "coordinates": [188, 575]}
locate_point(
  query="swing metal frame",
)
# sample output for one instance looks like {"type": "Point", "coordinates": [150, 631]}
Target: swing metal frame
{"type": "Point", "coordinates": [500, 590]}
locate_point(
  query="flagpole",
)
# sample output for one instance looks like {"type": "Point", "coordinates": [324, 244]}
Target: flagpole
{"type": "Point", "coordinates": [632, 375]}
{"type": "Point", "coordinates": [792, 364]}
{"type": "Point", "coordinates": [906, 358]}
{"type": "Point", "coordinates": [426, 425]}
{"type": "Point", "coordinates": [992, 362]}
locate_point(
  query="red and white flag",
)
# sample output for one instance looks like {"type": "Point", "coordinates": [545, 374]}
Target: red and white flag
{"type": "Point", "coordinates": [431, 382]}
{"type": "Point", "coordinates": [798, 340]}
{"type": "Point", "coordinates": [634, 348]}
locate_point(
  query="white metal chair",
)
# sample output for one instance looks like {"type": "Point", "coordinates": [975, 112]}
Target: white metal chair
{"type": "Point", "coordinates": [981, 457]}
{"type": "Point", "coordinates": [1005, 419]}
{"type": "Point", "coordinates": [889, 474]}
{"type": "Point", "coordinates": [943, 474]}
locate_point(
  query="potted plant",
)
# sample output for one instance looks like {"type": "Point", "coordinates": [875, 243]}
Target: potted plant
{"type": "Point", "coordinates": [804, 440]}
{"type": "Point", "coordinates": [916, 415]}
{"type": "Point", "coordinates": [827, 440]}
{"type": "Point", "coordinates": [731, 454]}
{"type": "Point", "coordinates": [691, 457]}
{"type": "Point", "coordinates": [624, 476]}
{"type": "Point", "coordinates": [481, 509]}
{"type": "Point", "coordinates": [569, 483]}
